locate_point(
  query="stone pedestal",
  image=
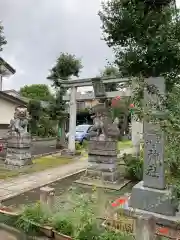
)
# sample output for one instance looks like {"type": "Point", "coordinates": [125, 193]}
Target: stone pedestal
{"type": "Point", "coordinates": [102, 170]}
{"type": "Point", "coordinates": [152, 200]}
{"type": "Point", "coordinates": [103, 160]}
{"type": "Point", "coordinates": [47, 196]}
{"type": "Point", "coordinates": [18, 150]}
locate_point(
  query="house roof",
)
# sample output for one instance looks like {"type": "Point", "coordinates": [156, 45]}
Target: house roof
{"type": "Point", "coordinates": [7, 69]}
{"type": "Point", "coordinates": [44, 104]}
{"type": "Point", "coordinates": [11, 90]}
{"type": "Point", "coordinates": [17, 94]}
{"type": "Point", "coordinates": [13, 99]}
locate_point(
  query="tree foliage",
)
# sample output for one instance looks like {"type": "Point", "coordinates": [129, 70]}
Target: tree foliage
{"type": "Point", "coordinates": [67, 65]}
{"type": "Point", "coordinates": [57, 106]}
{"type": "Point", "coordinates": [2, 38]}
{"type": "Point", "coordinates": [39, 92]}
{"type": "Point", "coordinates": [35, 111]}
{"type": "Point", "coordinates": [110, 71]}
{"type": "Point", "coordinates": [145, 37]}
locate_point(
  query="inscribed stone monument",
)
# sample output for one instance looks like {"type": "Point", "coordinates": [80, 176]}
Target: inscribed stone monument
{"type": "Point", "coordinates": [19, 140]}
{"type": "Point", "coordinates": [151, 194]}
{"type": "Point", "coordinates": [154, 176]}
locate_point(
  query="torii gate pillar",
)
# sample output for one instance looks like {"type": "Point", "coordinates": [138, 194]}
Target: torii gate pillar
{"type": "Point", "coordinates": [72, 120]}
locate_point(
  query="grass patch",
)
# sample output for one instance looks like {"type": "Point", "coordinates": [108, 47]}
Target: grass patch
{"type": "Point", "coordinates": [39, 164]}
{"type": "Point", "coordinates": [124, 144]}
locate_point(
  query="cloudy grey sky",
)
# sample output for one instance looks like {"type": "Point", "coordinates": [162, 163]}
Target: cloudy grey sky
{"type": "Point", "coordinates": [38, 30]}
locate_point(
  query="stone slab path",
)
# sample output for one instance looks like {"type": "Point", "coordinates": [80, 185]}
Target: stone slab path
{"type": "Point", "coordinates": [15, 186]}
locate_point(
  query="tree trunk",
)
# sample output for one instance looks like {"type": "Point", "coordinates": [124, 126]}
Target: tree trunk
{"type": "Point", "coordinates": [61, 138]}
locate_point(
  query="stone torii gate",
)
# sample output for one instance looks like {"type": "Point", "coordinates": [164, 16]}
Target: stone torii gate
{"type": "Point", "coordinates": [73, 98]}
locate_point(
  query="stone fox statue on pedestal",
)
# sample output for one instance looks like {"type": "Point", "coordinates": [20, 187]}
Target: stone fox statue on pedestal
{"type": "Point", "coordinates": [20, 122]}
{"type": "Point", "coordinates": [102, 123]}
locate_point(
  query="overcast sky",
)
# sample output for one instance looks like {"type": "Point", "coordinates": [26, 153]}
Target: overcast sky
{"type": "Point", "coordinates": [38, 30]}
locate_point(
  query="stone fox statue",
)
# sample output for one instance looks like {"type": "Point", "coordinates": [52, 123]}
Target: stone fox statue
{"type": "Point", "coordinates": [102, 123]}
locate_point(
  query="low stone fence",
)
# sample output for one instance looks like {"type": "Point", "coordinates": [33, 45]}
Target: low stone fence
{"type": "Point", "coordinates": [37, 139]}
{"type": "Point", "coordinates": [34, 139]}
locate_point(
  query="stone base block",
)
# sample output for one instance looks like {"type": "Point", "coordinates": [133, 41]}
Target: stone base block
{"type": "Point", "coordinates": [112, 177]}
{"type": "Point", "coordinates": [103, 167]}
{"type": "Point", "coordinates": [90, 183]}
{"type": "Point", "coordinates": [104, 176]}
{"type": "Point", "coordinates": [18, 163]}
{"type": "Point", "coordinates": [102, 159]}
{"type": "Point", "coordinates": [16, 141]}
{"type": "Point", "coordinates": [18, 157]}
{"type": "Point", "coordinates": [152, 200]}
{"type": "Point", "coordinates": [163, 220]}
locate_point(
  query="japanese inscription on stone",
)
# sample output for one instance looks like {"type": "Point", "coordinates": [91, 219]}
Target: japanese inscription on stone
{"type": "Point", "coordinates": [153, 161]}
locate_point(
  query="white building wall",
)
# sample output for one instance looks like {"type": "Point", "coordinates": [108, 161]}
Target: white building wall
{"type": "Point", "coordinates": [7, 110]}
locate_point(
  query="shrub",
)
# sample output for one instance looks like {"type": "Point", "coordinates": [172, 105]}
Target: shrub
{"type": "Point", "coordinates": [133, 167]}
{"type": "Point", "coordinates": [32, 215]}
{"type": "Point", "coordinates": [85, 144]}
{"type": "Point", "coordinates": [62, 224]}
{"type": "Point", "coordinates": [78, 146]}
{"type": "Point", "coordinates": [89, 231]}
{"type": "Point", "coordinates": [111, 235]}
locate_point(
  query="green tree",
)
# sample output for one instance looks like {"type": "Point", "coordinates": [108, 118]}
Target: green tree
{"type": "Point", "coordinates": [39, 92]}
{"type": "Point", "coordinates": [110, 71]}
{"type": "Point", "coordinates": [145, 37]}
{"type": "Point", "coordinates": [35, 111]}
{"type": "Point", "coordinates": [67, 66]}
{"type": "Point", "coordinates": [2, 38]}
{"type": "Point", "coordinates": [39, 95]}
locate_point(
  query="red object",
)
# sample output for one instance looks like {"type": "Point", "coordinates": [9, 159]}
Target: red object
{"type": "Point", "coordinates": [118, 98]}
{"type": "Point", "coordinates": [119, 201]}
{"type": "Point", "coordinates": [114, 204]}
{"type": "Point", "coordinates": [115, 101]}
{"type": "Point", "coordinates": [122, 201]}
{"type": "Point", "coordinates": [163, 230]}
{"type": "Point", "coordinates": [131, 105]}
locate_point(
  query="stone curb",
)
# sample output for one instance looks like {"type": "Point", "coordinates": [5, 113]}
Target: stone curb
{"type": "Point", "coordinates": [39, 155]}
{"type": "Point", "coordinates": [43, 139]}
{"type": "Point", "coordinates": [44, 154]}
